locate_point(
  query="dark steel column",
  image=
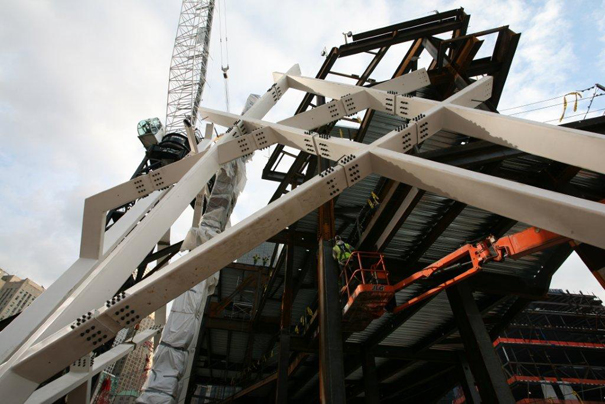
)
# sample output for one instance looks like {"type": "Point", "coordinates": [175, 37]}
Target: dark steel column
{"type": "Point", "coordinates": [284, 334]}
{"type": "Point", "coordinates": [370, 378]}
{"type": "Point", "coordinates": [467, 382]}
{"type": "Point", "coordinates": [331, 366]}
{"type": "Point", "coordinates": [482, 358]}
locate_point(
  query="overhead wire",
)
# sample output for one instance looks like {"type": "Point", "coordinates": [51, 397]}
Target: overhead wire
{"type": "Point", "coordinates": [552, 105]}
{"type": "Point", "coordinates": [542, 101]}
{"type": "Point", "coordinates": [596, 88]}
{"type": "Point", "coordinates": [571, 116]}
{"type": "Point", "coordinates": [594, 95]}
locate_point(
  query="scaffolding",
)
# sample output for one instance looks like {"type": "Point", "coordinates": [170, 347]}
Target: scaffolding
{"type": "Point", "coordinates": [555, 349]}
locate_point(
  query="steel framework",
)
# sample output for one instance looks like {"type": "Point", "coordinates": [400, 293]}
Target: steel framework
{"type": "Point", "coordinates": [565, 215]}
{"type": "Point", "coordinates": [46, 339]}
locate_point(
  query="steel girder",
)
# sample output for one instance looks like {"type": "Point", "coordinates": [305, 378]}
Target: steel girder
{"type": "Point", "coordinates": [39, 359]}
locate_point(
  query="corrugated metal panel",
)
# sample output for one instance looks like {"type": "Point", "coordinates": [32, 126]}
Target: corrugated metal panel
{"type": "Point", "coordinates": [238, 340]}
{"type": "Point", "coordinates": [263, 250]}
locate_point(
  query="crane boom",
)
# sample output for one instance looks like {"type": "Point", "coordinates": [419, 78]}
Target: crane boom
{"type": "Point", "coordinates": [189, 63]}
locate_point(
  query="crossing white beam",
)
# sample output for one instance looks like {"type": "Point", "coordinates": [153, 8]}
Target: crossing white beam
{"type": "Point", "coordinates": [69, 344]}
{"type": "Point", "coordinates": [58, 388]}
{"type": "Point", "coordinates": [97, 206]}
{"type": "Point", "coordinates": [262, 106]}
{"type": "Point", "coordinates": [474, 94]}
{"type": "Point", "coordinates": [572, 217]}
{"type": "Point", "coordinates": [33, 322]}
{"type": "Point", "coordinates": [571, 146]}
{"type": "Point", "coordinates": [404, 84]}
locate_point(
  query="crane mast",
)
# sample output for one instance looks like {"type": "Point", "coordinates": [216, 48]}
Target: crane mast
{"type": "Point", "coordinates": [189, 63]}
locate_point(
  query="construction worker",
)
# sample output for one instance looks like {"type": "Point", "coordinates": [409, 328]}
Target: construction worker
{"type": "Point", "coordinates": [341, 251]}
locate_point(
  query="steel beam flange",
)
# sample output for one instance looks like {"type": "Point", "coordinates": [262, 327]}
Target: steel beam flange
{"type": "Point", "coordinates": [355, 168]}
{"type": "Point", "coordinates": [81, 340]}
{"type": "Point", "coordinates": [402, 139]}
{"type": "Point", "coordinates": [276, 91]}
{"type": "Point", "coordinates": [334, 179]}
{"type": "Point", "coordinates": [322, 148]}
{"type": "Point", "coordinates": [429, 123]}
{"type": "Point", "coordinates": [354, 102]}
{"type": "Point", "coordinates": [263, 138]}
{"type": "Point", "coordinates": [310, 144]}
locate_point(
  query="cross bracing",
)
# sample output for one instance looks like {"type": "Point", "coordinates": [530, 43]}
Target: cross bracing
{"type": "Point", "coordinates": [569, 216]}
{"type": "Point", "coordinates": [105, 256]}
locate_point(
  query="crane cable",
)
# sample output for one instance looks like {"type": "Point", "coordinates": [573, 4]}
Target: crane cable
{"type": "Point", "coordinates": [225, 58]}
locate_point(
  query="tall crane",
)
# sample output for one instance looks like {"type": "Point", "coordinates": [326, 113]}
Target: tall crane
{"type": "Point", "coordinates": [187, 76]}
{"type": "Point", "coordinates": [165, 144]}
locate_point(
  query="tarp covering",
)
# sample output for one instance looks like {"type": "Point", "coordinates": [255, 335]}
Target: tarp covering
{"type": "Point", "coordinates": [173, 358]}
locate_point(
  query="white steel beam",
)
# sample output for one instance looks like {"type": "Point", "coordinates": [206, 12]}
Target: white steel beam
{"type": "Point", "coordinates": [273, 94]}
{"type": "Point", "coordinates": [66, 383]}
{"type": "Point", "coordinates": [330, 112]}
{"type": "Point", "coordinates": [404, 84]}
{"type": "Point", "coordinates": [69, 344]}
{"type": "Point", "coordinates": [33, 321]}
{"type": "Point", "coordinates": [389, 97]}
{"type": "Point", "coordinates": [96, 206]}
{"type": "Point", "coordinates": [333, 148]}
{"type": "Point", "coordinates": [575, 218]}
{"type": "Point", "coordinates": [571, 146]}
{"type": "Point", "coordinates": [267, 133]}
{"type": "Point", "coordinates": [474, 94]}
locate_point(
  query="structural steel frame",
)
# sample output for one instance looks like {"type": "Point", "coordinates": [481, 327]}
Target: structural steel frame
{"type": "Point", "coordinates": [569, 216]}
{"type": "Point", "coordinates": [46, 340]}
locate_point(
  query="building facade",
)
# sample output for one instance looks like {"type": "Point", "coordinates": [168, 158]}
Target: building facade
{"type": "Point", "coordinates": [16, 294]}
{"type": "Point", "coordinates": [554, 351]}
{"type": "Point", "coordinates": [127, 376]}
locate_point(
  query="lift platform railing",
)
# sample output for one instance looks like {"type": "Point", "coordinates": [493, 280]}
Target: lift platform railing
{"type": "Point", "coordinates": [363, 268]}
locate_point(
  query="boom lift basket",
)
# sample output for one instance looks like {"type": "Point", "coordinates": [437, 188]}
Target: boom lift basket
{"type": "Point", "coordinates": [365, 289]}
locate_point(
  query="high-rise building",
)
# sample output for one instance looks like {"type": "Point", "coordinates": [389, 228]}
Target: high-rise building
{"type": "Point", "coordinates": [127, 375]}
{"type": "Point", "coordinates": [554, 351]}
{"type": "Point", "coordinates": [16, 294]}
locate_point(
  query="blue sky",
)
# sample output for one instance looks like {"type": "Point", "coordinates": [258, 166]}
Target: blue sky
{"type": "Point", "coordinates": [76, 77]}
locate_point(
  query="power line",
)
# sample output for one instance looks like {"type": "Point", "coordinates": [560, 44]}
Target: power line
{"type": "Point", "coordinates": [594, 95]}
{"type": "Point", "coordinates": [553, 105]}
{"type": "Point", "coordinates": [540, 102]}
{"type": "Point", "coordinates": [571, 116]}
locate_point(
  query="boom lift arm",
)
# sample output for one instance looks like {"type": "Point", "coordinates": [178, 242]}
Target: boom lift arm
{"type": "Point", "coordinates": [368, 291]}
{"type": "Point", "coordinates": [515, 246]}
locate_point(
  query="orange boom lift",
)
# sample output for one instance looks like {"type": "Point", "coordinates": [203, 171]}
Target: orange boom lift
{"type": "Point", "coordinates": [367, 290]}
